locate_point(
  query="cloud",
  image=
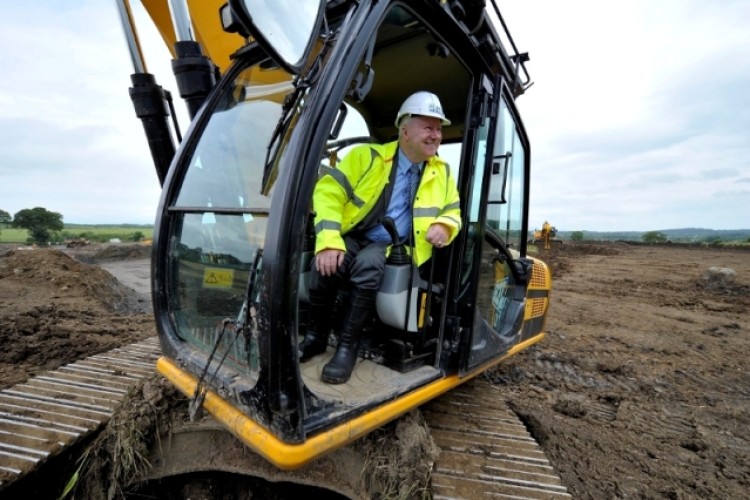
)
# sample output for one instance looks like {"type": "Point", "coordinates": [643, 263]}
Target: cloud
{"type": "Point", "coordinates": [70, 141]}
{"type": "Point", "coordinates": [639, 112]}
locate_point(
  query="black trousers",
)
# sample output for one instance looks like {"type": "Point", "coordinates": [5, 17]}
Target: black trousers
{"type": "Point", "coordinates": [363, 267]}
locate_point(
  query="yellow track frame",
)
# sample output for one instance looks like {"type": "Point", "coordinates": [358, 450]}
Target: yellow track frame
{"type": "Point", "coordinates": [287, 456]}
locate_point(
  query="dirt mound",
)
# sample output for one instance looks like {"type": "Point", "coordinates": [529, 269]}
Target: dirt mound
{"type": "Point", "coordinates": [106, 252]}
{"type": "Point", "coordinates": [55, 310]}
{"type": "Point", "coordinates": [53, 269]}
{"type": "Point", "coordinates": [558, 257]}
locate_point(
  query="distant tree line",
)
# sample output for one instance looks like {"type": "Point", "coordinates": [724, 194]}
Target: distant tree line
{"type": "Point", "coordinates": [44, 227]}
{"type": "Point", "coordinates": [654, 237]}
{"type": "Point", "coordinates": [135, 236]}
{"type": "Point", "coordinates": [687, 235]}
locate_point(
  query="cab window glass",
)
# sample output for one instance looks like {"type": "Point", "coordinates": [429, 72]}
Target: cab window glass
{"type": "Point", "coordinates": [507, 185]}
{"type": "Point", "coordinates": [223, 207]}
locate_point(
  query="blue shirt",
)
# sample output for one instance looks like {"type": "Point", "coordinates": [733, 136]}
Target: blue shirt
{"type": "Point", "coordinates": [399, 209]}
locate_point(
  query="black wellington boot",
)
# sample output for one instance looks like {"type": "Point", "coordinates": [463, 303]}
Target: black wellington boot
{"type": "Point", "coordinates": [319, 326]}
{"type": "Point", "coordinates": [339, 368]}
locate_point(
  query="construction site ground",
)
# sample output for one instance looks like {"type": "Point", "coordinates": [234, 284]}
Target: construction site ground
{"type": "Point", "coordinates": [641, 388]}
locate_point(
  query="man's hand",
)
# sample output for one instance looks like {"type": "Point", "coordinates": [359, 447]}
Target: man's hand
{"type": "Point", "coordinates": [328, 261]}
{"type": "Point", "coordinates": [438, 234]}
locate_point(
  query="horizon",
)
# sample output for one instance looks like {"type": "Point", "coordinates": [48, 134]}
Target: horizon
{"type": "Point", "coordinates": [695, 228]}
{"type": "Point", "coordinates": [532, 227]}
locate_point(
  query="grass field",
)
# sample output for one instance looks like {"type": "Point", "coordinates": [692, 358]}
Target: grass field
{"type": "Point", "coordinates": [13, 235]}
{"type": "Point", "coordinates": [99, 233]}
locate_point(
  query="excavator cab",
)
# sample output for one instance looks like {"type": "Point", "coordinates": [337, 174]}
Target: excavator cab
{"type": "Point", "coordinates": [234, 235]}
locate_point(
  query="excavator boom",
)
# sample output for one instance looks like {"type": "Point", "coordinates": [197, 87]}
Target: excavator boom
{"type": "Point", "coordinates": [205, 24]}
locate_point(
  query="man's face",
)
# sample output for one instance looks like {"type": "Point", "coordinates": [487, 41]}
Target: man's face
{"type": "Point", "coordinates": [421, 137]}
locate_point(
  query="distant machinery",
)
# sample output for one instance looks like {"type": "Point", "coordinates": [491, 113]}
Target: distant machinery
{"type": "Point", "coordinates": [546, 234]}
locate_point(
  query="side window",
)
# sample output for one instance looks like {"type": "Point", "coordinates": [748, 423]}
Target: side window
{"type": "Point", "coordinates": [508, 182]}
{"type": "Point", "coordinates": [474, 203]}
{"type": "Point", "coordinates": [500, 173]}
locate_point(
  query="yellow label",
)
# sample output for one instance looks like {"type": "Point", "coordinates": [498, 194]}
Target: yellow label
{"type": "Point", "coordinates": [214, 277]}
{"type": "Point", "coordinates": [422, 301]}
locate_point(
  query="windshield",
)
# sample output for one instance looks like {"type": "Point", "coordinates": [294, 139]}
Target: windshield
{"type": "Point", "coordinates": [221, 215]}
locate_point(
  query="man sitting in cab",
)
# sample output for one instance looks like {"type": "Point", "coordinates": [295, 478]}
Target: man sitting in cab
{"type": "Point", "coordinates": [404, 180]}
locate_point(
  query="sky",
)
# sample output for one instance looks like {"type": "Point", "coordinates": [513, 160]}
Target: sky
{"type": "Point", "coordinates": [638, 117]}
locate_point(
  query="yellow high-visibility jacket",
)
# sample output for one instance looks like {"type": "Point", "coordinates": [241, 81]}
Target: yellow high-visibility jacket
{"type": "Point", "coordinates": [344, 195]}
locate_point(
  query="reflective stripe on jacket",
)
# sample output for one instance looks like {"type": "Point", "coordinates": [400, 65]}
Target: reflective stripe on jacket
{"type": "Point", "coordinates": [346, 194]}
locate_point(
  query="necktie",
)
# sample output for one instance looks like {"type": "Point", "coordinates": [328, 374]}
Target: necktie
{"type": "Point", "coordinates": [412, 177]}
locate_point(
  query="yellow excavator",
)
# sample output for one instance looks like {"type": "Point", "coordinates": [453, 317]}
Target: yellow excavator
{"type": "Point", "coordinates": [276, 91]}
{"type": "Point", "coordinates": [546, 235]}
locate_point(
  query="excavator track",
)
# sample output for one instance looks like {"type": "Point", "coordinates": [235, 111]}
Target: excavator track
{"type": "Point", "coordinates": [485, 449]}
{"type": "Point", "coordinates": [51, 412]}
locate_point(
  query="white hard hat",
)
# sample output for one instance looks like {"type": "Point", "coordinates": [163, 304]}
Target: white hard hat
{"type": "Point", "coordinates": [422, 103]}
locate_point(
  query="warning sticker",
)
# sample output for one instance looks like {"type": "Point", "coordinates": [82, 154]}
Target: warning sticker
{"type": "Point", "coordinates": [214, 277]}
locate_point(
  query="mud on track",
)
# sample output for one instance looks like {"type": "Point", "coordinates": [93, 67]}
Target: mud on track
{"type": "Point", "coordinates": [640, 390]}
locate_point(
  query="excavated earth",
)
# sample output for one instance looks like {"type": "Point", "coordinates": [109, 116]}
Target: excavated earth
{"type": "Point", "coordinates": [55, 309]}
{"type": "Point", "coordinates": [640, 390]}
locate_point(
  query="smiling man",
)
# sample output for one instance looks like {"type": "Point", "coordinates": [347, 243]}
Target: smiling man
{"type": "Point", "coordinates": [403, 180]}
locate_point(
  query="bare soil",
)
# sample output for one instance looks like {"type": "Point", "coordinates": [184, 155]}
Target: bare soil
{"type": "Point", "coordinates": [640, 390]}
{"type": "Point", "coordinates": [55, 310]}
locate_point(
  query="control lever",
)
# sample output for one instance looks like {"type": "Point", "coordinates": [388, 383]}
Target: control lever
{"type": "Point", "coordinates": [398, 256]}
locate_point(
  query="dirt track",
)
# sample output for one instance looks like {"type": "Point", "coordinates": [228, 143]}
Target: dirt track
{"type": "Point", "coordinates": [641, 389]}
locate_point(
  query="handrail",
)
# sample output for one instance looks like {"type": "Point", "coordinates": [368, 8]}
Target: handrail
{"type": "Point", "coordinates": [518, 58]}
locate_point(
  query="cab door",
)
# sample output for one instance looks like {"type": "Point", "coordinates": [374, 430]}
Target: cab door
{"type": "Point", "coordinates": [494, 274]}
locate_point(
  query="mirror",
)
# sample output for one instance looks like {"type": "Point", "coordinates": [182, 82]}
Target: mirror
{"type": "Point", "coordinates": [285, 28]}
